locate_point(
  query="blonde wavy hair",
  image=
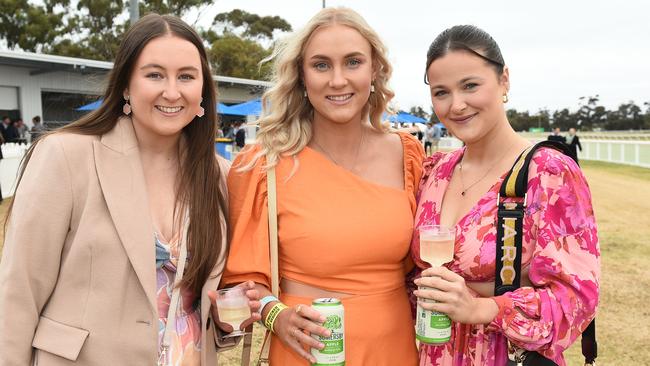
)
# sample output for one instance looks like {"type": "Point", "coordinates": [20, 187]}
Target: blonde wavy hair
{"type": "Point", "coordinates": [285, 122]}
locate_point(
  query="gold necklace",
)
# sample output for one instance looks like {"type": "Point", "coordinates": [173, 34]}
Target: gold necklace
{"type": "Point", "coordinates": [356, 156]}
{"type": "Point", "coordinates": [460, 169]}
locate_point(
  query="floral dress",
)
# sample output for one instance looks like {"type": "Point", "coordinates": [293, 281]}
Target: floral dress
{"type": "Point", "coordinates": [185, 348]}
{"type": "Point", "coordinates": [560, 246]}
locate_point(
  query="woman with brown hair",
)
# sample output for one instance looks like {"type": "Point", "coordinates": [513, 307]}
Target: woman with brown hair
{"type": "Point", "coordinates": [469, 84]}
{"type": "Point", "coordinates": [106, 209]}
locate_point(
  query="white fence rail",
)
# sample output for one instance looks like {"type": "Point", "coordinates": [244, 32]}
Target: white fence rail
{"type": "Point", "coordinates": [9, 166]}
{"type": "Point", "coordinates": [627, 152]}
{"type": "Point", "coordinates": [635, 153]}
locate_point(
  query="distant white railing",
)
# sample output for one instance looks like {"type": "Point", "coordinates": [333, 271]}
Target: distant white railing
{"type": "Point", "coordinates": [626, 152]}
{"type": "Point", "coordinates": [9, 166]}
{"type": "Point", "coordinates": [635, 153]}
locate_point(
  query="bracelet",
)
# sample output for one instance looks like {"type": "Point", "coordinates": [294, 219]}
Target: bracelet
{"type": "Point", "coordinates": [266, 300]}
{"type": "Point", "coordinates": [273, 314]}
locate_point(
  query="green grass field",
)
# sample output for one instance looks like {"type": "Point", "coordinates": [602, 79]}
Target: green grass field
{"type": "Point", "coordinates": [621, 196]}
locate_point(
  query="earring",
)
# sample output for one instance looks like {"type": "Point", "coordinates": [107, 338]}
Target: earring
{"type": "Point", "coordinates": [201, 110]}
{"type": "Point", "coordinates": [304, 93]}
{"type": "Point", "coordinates": [505, 98]}
{"type": "Point", "coordinates": [372, 88]}
{"type": "Point", "coordinates": [126, 109]}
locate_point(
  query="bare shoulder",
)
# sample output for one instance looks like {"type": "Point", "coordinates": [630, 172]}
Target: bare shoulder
{"type": "Point", "coordinates": [389, 140]}
{"type": "Point", "coordinates": [387, 146]}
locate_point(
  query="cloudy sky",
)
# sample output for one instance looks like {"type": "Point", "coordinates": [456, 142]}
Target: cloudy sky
{"type": "Point", "coordinates": [557, 51]}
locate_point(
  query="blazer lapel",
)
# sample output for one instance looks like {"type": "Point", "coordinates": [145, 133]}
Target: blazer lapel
{"type": "Point", "coordinates": [119, 169]}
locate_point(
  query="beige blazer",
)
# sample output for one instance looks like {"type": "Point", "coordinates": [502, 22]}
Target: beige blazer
{"type": "Point", "coordinates": [78, 275]}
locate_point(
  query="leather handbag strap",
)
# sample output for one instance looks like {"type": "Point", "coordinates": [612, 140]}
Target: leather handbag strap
{"type": "Point", "coordinates": [273, 230]}
{"type": "Point", "coordinates": [272, 200]}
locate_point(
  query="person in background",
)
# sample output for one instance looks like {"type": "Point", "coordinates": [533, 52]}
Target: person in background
{"type": "Point", "coordinates": [37, 128]}
{"type": "Point", "coordinates": [345, 197]}
{"type": "Point", "coordinates": [574, 143]}
{"type": "Point", "coordinates": [21, 130]}
{"type": "Point", "coordinates": [556, 136]}
{"type": "Point", "coordinates": [2, 140]}
{"type": "Point", "coordinates": [240, 136]}
{"type": "Point", "coordinates": [469, 83]}
{"type": "Point", "coordinates": [428, 138]}
{"type": "Point", "coordinates": [2, 136]}
{"type": "Point", "coordinates": [9, 131]}
{"type": "Point", "coordinates": [89, 267]}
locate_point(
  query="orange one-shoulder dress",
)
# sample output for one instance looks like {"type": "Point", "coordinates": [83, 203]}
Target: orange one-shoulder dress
{"type": "Point", "coordinates": [337, 232]}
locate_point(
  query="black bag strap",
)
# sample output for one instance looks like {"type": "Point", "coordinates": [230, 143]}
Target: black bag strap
{"type": "Point", "coordinates": [510, 218]}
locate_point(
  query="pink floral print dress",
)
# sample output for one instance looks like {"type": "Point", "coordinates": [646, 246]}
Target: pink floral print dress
{"type": "Point", "coordinates": [185, 348]}
{"type": "Point", "coordinates": [560, 246]}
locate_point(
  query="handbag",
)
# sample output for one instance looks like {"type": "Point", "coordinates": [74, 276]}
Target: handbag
{"type": "Point", "coordinates": [275, 275]}
{"type": "Point", "coordinates": [510, 217]}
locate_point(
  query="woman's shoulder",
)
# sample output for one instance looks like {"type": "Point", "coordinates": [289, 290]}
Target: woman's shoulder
{"type": "Point", "coordinates": [551, 161]}
{"type": "Point", "coordinates": [412, 147]}
{"type": "Point", "coordinates": [434, 164]}
{"type": "Point", "coordinates": [71, 144]}
{"type": "Point", "coordinates": [248, 165]}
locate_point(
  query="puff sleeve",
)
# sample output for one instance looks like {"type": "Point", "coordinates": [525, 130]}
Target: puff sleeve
{"type": "Point", "coordinates": [248, 258]}
{"type": "Point", "coordinates": [565, 264]}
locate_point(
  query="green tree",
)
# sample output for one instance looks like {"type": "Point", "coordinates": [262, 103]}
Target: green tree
{"type": "Point", "coordinates": [93, 29]}
{"type": "Point", "coordinates": [591, 115]}
{"type": "Point", "coordinates": [30, 27]}
{"type": "Point", "coordinates": [237, 42]}
{"type": "Point", "coordinates": [564, 119]}
{"type": "Point", "coordinates": [627, 117]}
{"type": "Point", "coordinates": [237, 57]}
{"type": "Point", "coordinates": [418, 111]}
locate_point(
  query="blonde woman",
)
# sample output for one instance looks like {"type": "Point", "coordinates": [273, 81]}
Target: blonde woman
{"type": "Point", "coordinates": [346, 196]}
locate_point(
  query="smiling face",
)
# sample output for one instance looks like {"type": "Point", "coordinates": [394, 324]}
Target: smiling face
{"type": "Point", "coordinates": [467, 95]}
{"type": "Point", "coordinates": [164, 90]}
{"type": "Point", "coordinates": [337, 73]}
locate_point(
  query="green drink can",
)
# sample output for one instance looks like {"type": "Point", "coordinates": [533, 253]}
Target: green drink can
{"type": "Point", "coordinates": [431, 327]}
{"type": "Point", "coordinates": [334, 352]}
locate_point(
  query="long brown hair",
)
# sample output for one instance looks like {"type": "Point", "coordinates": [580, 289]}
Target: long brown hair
{"type": "Point", "coordinates": [199, 184]}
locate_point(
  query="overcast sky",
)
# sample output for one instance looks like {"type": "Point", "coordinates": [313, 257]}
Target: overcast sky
{"type": "Point", "coordinates": [557, 51]}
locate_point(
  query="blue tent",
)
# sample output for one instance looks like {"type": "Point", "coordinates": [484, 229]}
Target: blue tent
{"type": "Point", "coordinates": [252, 107]}
{"type": "Point", "coordinates": [403, 117]}
{"type": "Point", "coordinates": [90, 107]}
{"type": "Point", "coordinates": [221, 108]}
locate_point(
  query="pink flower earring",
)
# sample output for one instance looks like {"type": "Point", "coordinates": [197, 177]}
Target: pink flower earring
{"type": "Point", "coordinates": [126, 109]}
{"type": "Point", "coordinates": [201, 110]}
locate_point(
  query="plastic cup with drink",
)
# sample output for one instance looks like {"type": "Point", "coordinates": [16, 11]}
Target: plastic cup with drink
{"type": "Point", "coordinates": [436, 248]}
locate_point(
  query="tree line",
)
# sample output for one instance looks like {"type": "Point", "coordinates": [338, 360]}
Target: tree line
{"type": "Point", "coordinates": [590, 116]}
{"type": "Point", "coordinates": [236, 41]}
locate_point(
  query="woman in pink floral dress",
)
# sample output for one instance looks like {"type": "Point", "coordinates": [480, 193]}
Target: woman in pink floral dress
{"type": "Point", "coordinates": [469, 86]}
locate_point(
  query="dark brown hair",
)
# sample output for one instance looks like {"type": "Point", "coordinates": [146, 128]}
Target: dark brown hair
{"type": "Point", "coordinates": [198, 189]}
{"type": "Point", "coordinates": [466, 38]}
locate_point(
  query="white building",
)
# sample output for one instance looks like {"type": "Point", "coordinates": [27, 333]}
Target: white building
{"type": "Point", "coordinates": [52, 87]}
